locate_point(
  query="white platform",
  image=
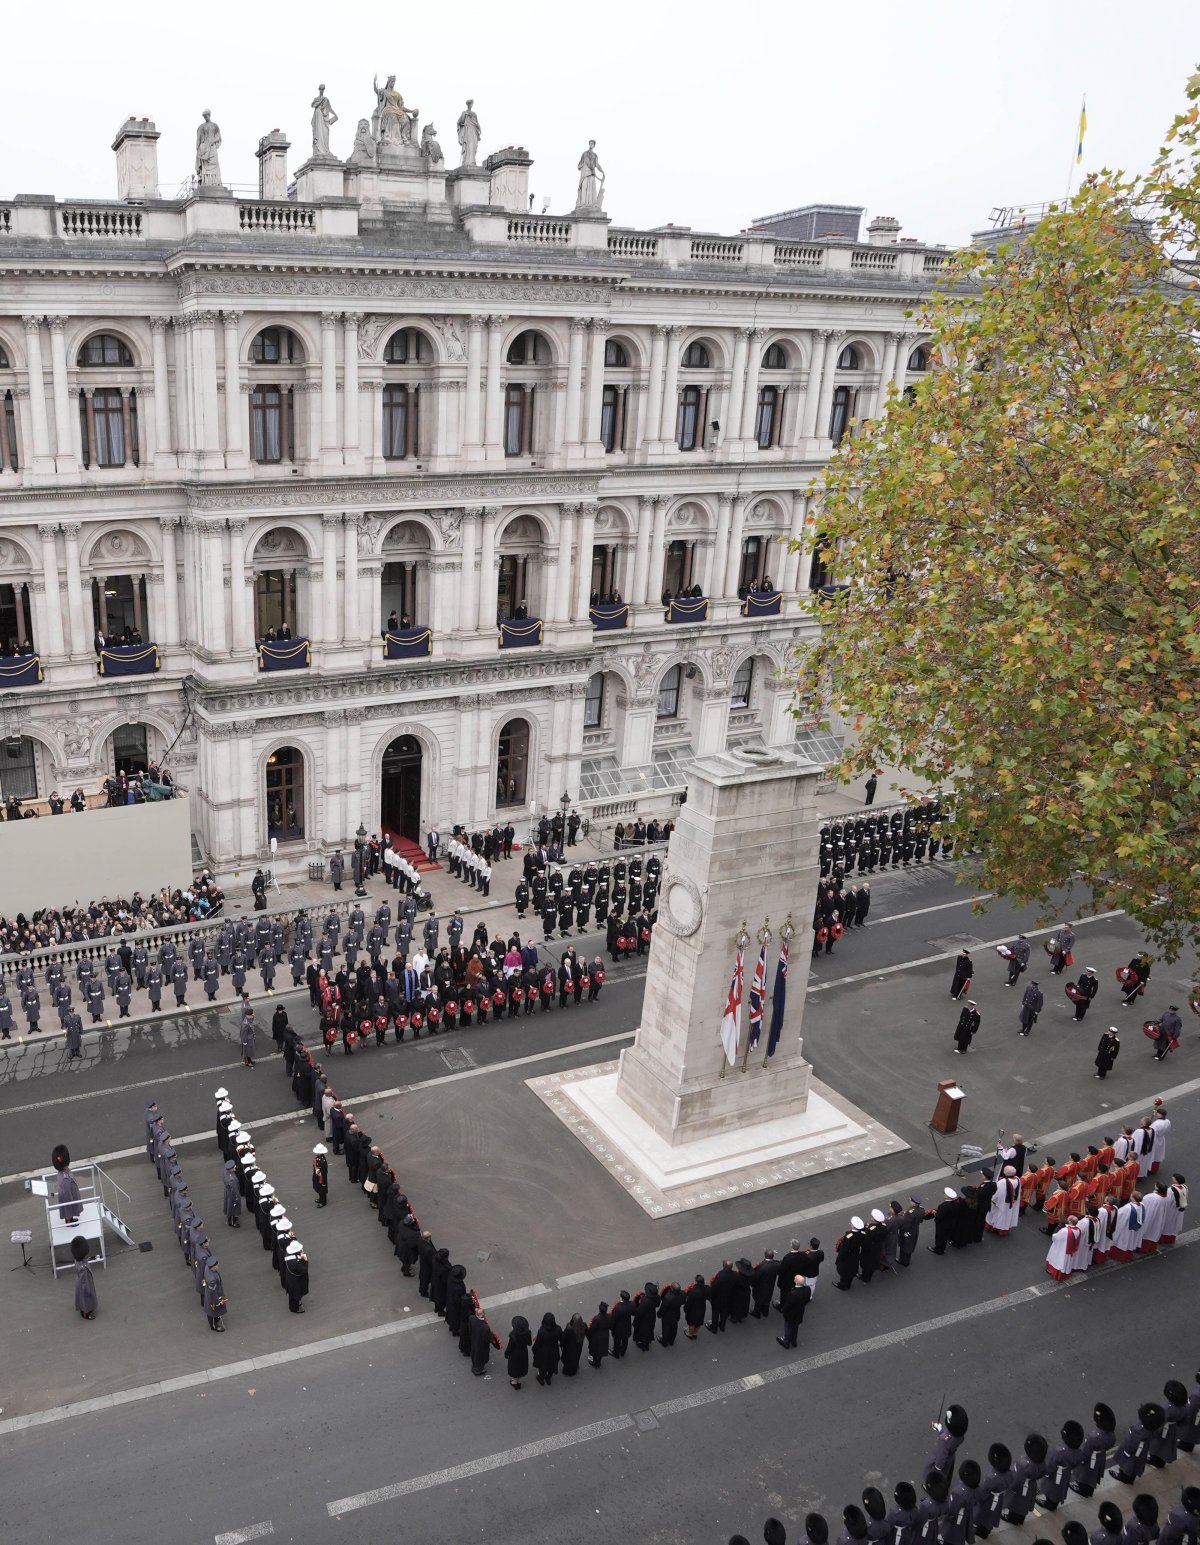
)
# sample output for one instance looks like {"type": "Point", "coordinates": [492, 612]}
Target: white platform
{"type": "Point", "coordinates": [831, 1134]}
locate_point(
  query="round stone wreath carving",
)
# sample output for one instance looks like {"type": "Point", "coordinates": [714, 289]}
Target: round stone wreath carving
{"type": "Point", "coordinates": [685, 906]}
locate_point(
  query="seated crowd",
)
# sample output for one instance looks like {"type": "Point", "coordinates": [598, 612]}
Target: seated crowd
{"type": "Point", "coordinates": [51, 926]}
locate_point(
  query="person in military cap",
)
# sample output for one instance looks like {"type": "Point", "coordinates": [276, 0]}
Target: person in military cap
{"type": "Point", "coordinates": [1142, 1528]}
{"type": "Point", "coordinates": [213, 1295]}
{"type": "Point", "coordinates": [847, 1255]}
{"type": "Point", "coordinates": [1110, 1525]}
{"type": "Point", "coordinates": [1090, 1470]}
{"type": "Point", "coordinates": [902, 1515]}
{"type": "Point", "coordinates": [1000, 1478]}
{"type": "Point", "coordinates": [958, 1526]}
{"type": "Point", "coordinates": [951, 1430]}
{"type": "Point", "coordinates": [1133, 1452]}
{"type": "Point", "coordinates": [1064, 1459]}
{"type": "Point", "coordinates": [70, 1206]}
{"type": "Point", "coordinates": [296, 1269]}
{"type": "Point", "coordinates": [320, 1174]}
{"type": "Point", "coordinates": [1182, 1526]}
{"type": "Point", "coordinates": [1027, 1478]}
{"type": "Point", "coordinates": [232, 1202]}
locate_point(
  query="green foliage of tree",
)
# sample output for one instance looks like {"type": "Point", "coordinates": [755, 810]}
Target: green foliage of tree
{"type": "Point", "coordinates": [1021, 542]}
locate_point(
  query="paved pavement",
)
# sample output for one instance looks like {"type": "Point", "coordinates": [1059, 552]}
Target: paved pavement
{"type": "Point", "coordinates": [361, 1410]}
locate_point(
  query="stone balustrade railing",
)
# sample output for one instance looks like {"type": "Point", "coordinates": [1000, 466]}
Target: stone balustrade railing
{"type": "Point", "coordinates": [103, 220]}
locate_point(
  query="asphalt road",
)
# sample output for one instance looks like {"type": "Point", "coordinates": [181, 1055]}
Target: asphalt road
{"type": "Point", "coordinates": [391, 1437]}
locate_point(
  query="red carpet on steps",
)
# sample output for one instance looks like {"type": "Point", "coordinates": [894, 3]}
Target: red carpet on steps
{"type": "Point", "coordinates": [412, 851]}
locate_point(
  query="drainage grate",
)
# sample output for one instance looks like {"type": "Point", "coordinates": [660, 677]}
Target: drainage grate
{"type": "Point", "coordinates": [959, 941]}
{"type": "Point", "coordinates": [456, 1059]}
{"type": "Point", "coordinates": [146, 1246]}
{"type": "Point", "coordinates": [645, 1421]}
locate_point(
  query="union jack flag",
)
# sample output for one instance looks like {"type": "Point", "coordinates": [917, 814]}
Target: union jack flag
{"type": "Point", "coordinates": [758, 992]}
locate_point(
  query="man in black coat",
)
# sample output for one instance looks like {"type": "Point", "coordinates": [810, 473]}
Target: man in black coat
{"type": "Point", "coordinates": [871, 1250]}
{"type": "Point", "coordinates": [945, 1221]}
{"type": "Point", "coordinates": [848, 1251]}
{"type": "Point", "coordinates": [425, 1258]}
{"type": "Point", "coordinates": [795, 1302]}
{"type": "Point", "coordinates": [789, 1266]}
{"type": "Point", "coordinates": [598, 1332]}
{"type": "Point", "coordinates": [720, 1296]}
{"type": "Point", "coordinates": [765, 1276]}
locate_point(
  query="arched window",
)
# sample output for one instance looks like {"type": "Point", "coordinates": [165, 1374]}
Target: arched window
{"type": "Point", "coordinates": [529, 348]}
{"type": "Point", "coordinates": [276, 346]}
{"type": "Point", "coordinates": [918, 360]}
{"type": "Point", "coordinates": [409, 346]}
{"type": "Point", "coordinates": [512, 763]}
{"type": "Point", "coordinates": [742, 685]}
{"type": "Point", "coordinates": [105, 349]}
{"type": "Point", "coordinates": [593, 701]}
{"type": "Point", "coordinates": [119, 608]}
{"type": "Point", "coordinates": [849, 358]}
{"type": "Point", "coordinates": [839, 417]}
{"type": "Point", "coordinates": [130, 749]}
{"type": "Point", "coordinates": [285, 794]}
{"type": "Point", "coordinates": [615, 355]}
{"type": "Point", "coordinates": [774, 358]}
{"type": "Point", "coordinates": [696, 357]}
{"type": "Point", "coordinates": [4, 364]}
{"type": "Point", "coordinates": [668, 694]}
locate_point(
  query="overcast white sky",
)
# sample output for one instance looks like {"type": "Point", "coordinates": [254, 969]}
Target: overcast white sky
{"type": "Point", "coordinates": [706, 114]}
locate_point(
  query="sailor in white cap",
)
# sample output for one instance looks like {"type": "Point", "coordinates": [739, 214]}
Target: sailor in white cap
{"type": "Point", "coordinates": [227, 1125]}
{"type": "Point", "coordinates": [847, 1253]}
{"type": "Point", "coordinates": [282, 1233]}
{"type": "Point", "coordinates": [320, 1174]}
{"type": "Point", "coordinates": [296, 1276]}
{"type": "Point", "coordinates": [945, 1221]}
{"type": "Point", "coordinates": [870, 1257]}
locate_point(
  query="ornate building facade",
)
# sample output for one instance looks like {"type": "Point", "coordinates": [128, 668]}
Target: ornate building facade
{"type": "Point", "coordinates": [364, 460]}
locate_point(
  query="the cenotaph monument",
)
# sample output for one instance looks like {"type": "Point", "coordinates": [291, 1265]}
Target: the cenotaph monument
{"type": "Point", "coordinates": [677, 1121]}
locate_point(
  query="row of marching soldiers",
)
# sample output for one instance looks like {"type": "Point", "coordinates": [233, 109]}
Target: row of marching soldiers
{"type": "Point", "coordinates": [1043, 1476]}
{"type": "Point", "coordinates": [189, 1227]}
{"type": "Point", "coordinates": [892, 839]}
{"type": "Point", "coordinates": [246, 1182]}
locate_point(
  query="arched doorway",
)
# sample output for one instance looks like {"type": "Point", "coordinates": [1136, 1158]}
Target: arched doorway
{"type": "Point", "coordinates": [400, 790]}
{"type": "Point", "coordinates": [512, 763]}
{"type": "Point", "coordinates": [285, 794]}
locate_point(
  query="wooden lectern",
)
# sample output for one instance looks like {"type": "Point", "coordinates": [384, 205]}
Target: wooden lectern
{"type": "Point", "coordinates": [949, 1103]}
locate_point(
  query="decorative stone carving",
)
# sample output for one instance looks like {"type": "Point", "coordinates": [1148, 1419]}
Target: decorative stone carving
{"type": "Point", "coordinates": [721, 660]}
{"type": "Point", "coordinates": [590, 194]}
{"type": "Point", "coordinates": [468, 133]}
{"type": "Point", "coordinates": [391, 123]}
{"type": "Point", "coordinates": [429, 145]}
{"type": "Point", "coordinates": [449, 524]}
{"type": "Point", "coordinates": [456, 351]}
{"type": "Point", "coordinates": [323, 119]}
{"type": "Point", "coordinates": [352, 287]}
{"type": "Point", "coordinates": [120, 547]}
{"type": "Point", "coordinates": [208, 143]}
{"type": "Point", "coordinates": [684, 909]}
{"type": "Point", "coordinates": [365, 148]}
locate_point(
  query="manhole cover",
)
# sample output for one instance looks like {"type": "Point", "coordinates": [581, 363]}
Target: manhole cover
{"type": "Point", "coordinates": [958, 941]}
{"type": "Point", "coordinates": [483, 1255]}
{"type": "Point", "coordinates": [146, 1246]}
{"type": "Point", "coordinates": [456, 1059]}
{"type": "Point", "coordinates": [645, 1421]}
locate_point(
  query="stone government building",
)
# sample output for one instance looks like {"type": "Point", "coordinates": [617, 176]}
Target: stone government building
{"type": "Point", "coordinates": [388, 386]}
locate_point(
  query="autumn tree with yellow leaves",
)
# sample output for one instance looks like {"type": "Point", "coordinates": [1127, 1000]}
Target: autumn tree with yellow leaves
{"type": "Point", "coordinates": [1020, 540]}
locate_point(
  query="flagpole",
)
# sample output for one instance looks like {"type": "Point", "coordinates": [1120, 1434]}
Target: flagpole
{"type": "Point", "coordinates": [1076, 148]}
{"type": "Point", "coordinates": [741, 939]}
{"type": "Point", "coordinates": [786, 935]}
{"type": "Point", "coordinates": [764, 936]}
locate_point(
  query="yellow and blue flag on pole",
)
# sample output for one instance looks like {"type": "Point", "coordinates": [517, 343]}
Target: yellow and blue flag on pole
{"type": "Point", "coordinates": [1082, 132]}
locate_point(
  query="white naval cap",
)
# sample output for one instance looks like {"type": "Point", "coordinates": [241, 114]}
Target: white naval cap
{"type": "Point", "coordinates": [295, 1248]}
{"type": "Point", "coordinates": [320, 1148]}
{"type": "Point", "coordinates": [857, 1223]}
{"type": "Point", "coordinates": [266, 1189]}
{"type": "Point", "coordinates": [878, 1216]}
{"type": "Point", "coordinates": [221, 1094]}
{"type": "Point", "coordinates": [257, 1177]}
{"type": "Point", "coordinates": [244, 1136]}
{"type": "Point", "coordinates": [277, 1210]}
{"type": "Point", "coordinates": [284, 1225]}
{"type": "Point", "coordinates": [951, 1193]}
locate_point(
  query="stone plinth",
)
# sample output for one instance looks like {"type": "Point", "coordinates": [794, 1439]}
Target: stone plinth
{"type": "Point", "coordinates": [744, 848]}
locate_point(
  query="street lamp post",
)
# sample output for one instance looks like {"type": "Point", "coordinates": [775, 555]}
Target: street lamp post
{"type": "Point", "coordinates": [360, 860]}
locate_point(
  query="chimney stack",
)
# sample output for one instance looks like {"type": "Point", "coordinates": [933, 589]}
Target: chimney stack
{"type": "Point", "coordinates": [136, 146]}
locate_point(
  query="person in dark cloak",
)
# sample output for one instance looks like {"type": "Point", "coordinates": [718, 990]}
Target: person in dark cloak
{"type": "Point", "coordinates": [439, 1280]}
{"type": "Point", "coordinates": [846, 1255]}
{"type": "Point", "coordinates": [945, 1221]}
{"type": "Point", "coordinates": [516, 1353]}
{"type": "Point", "coordinates": [425, 1255]}
{"type": "Point", "coordinates": [645, 1314]}
{"type": "Point", "coordinates": [984, 1192]}
{"type": "Point", "coordinates": [546, 1345]}
{"type": "Point", "coordinates": [85, 1283]}
{"type": "Point", "coordinates": [232, 1201]}
{"type": "Point", "coordinates": [599, 1333]}
{"type": "Point", "coordinates": [574, 1335]}
{"type": "Point", "coordinates": [622, 1323]}
{"type": "Point", "coordinates": [963, 971]}
{"type": "Point", "coordinates": [456, 1292]}
{"type": "Point", "coordinates": [670, 1308]}
{"type": "Point", "coordinates": [481, 1344]}
{"type": "Point", "coordinates": [695, 1305]}
{"type": "Point", "coordinates": [967, 1028]}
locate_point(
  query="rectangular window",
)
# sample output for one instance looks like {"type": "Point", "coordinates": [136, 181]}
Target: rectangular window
{"type": "Point", "coordinates": [514, 420]}
{"type": "Point", "coordinates": [688, 425]}
{"type": "Point", "coordinates": [752, 561]}
{"type": "Point", "coordinates": [266, 424]}
{"type": "Point", "coordinates": [8, 429]}
{"type": "Point", "coordinates": [839, 418]}
{"type": "Point", "coordinates": [678, 566]}
{"type": "Point", "coordinates": [395, 423]}
{"type": "Point", "coordinates": [110, 428]}
{"type": "Point", "coordinates": [765, 431]}
{"type": "Point", "coordinates": [593, 702]}
{"type": "Point", "coordinates": [608, 418]}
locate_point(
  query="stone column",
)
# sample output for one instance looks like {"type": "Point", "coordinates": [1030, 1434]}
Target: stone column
{"type": "Point", "coordinates": [485, 615]}
{"type": "Point", "coordinates": [474, 369]}
{"type": "Point", "coordinates": [162, 390]}
{"type": "Point", "coordinates": [330, 526]}
{"type": "Point", "coordinates": [467, 609]}
{"type": "Point", "coordinates": [653, 416]}
{"type": "Point", "coordinates": [658, 551]}
{"type": "Point", "coordinates": [583, 556]}
{"type": "Point", "coordinates": [737, 381]}
{"type": "Point", "coordinates": [37, 392]}
{"type": "Point", "coordinates": [790, 580]}
{"type": "Point", "coordinates": [750, 399]}
{"type": "Point", "coordinates": [53, 635]}
{"type": "Point", "coordinates": [566, 543]}
{"type": "Point", "coordinates": [250, 796]}
{"type": "Point", "coordinates": [639, 580]}
{"type": "Point", "coordinates": [712, 726]}
{"type": "Point", "coordinates": [887, 371]}
{"type": "Point", "coordinates": [370, 589]}
{"type": "Point", "coordinates": [216, 542]}
{"type": "Point", "coordinates": [329, 434]}
{"type": "Point", "coordinates": [670, 407]}
{"type": "Point", "coordinates": [353, 623]}
{"type": "Point", "coordinates": [37, 604]}
{"type": "Point", "coordinates": [816, 369]}
{"type": "Point", "coordinates": [833, 347]}
{"type": "Point", "coordinates": [733, 562]}
{"type": "Point", "coordinates": [334, 783]}
{"type": "Point", "coordinates": [595, 386]}
{"type": "Point", "coordinates": [574, 380]}
{"type": "Point", "coordinates": [139, 619]}
{"type": "Point", "coordinates": [234, 423]}
{"type": "Point", "coordinates": [359, 801]}
{"type": "Point", "coordinates": [493, 417]}
{"type": "Point", "coordinates": [206, 344]}
{"type": "Point", "coordinates": [721, 548]}
{"type": "Point", "coordinates": [350, 387]}
{"type": "Point", "coordinates": [709, 546]}
{"type": "Point", "coordinates": [903, 350]}
{"type": "Point", "coordinates": [168, 525]}
{"type": "Point", "coordinates": [241, 602]}
{"type": "Point", "coordinates": [81, 640]}
{"type": "Point", "coordinates": [312, 451]}
{"type": "Point", "coordinates": [65, 428]}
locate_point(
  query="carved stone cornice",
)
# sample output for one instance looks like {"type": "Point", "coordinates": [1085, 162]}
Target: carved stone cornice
{"type": "Point", "coordinates": [452, 489]}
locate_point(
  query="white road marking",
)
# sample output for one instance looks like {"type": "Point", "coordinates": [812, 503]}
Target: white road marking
{"type": "Point", "coordinates": [716, 1393]}
{"type": "Point", "coordinates": [299, 1114]}
{"type": "Point", "coordinates": [240, 1536]}
{"type": "Point", "coordinates": [551, 1445]}
{"type": "Point", "coordinates": [97, 1094]}
{"type": "Point", "coordinates": [929, 960]}
{"type": "Point", "coordinates": [941, 907]}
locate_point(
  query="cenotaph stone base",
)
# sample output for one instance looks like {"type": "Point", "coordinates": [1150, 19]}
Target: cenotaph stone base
{"type": "Point", "coordinates": [674, 1121]}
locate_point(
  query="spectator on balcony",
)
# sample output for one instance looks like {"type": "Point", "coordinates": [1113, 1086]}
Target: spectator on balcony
{"type": "Point", "coordinates": [393, 621]}
{"type": "Point", "coordinates": [666, 596]}
{"type": "Point", "coordinates": [78, 801]}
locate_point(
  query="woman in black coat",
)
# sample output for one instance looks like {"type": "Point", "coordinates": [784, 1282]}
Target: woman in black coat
{"type": "Point", "coordinates": [573, 1336]}
{"type": "Point", "coordinates": [695, 1302]}
{"type": "Point", "coordinates": [440, 1281]}
{"type": "Point", "coordinates": [517, 1350]}
{"type": "Point", "coordinates": [598, 1333]}
{"type": "Point", "coordinates": [279, 1023]}
{"type": "Point", "coordinates": [480, 1333]}
{"type": "Point", "coordinates": [670, 1307]}
{"type": "Point", "coordinates": [645, 1313]}
{"type": "Point", "coordinates": [546, 1349]}
{"type": "Point", "coordinates": [456, 1293]}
